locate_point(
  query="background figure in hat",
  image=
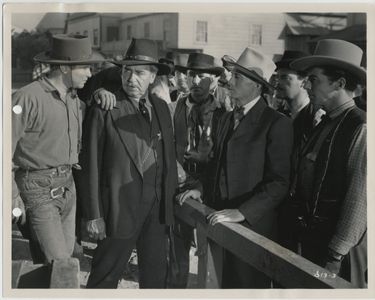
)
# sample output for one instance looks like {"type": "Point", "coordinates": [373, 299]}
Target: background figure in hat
{"type": "Point", "coordinates": [250, 165]}
{"type": "Point", "coordinates": [46, 141]}
{"type": "Point", "coordinates": [290, 87]}
{"type": "Point", "coordinates": [329, 188]}
{"type": "Point", "coordinates": [195, 118]}
{"type": "Point", "coordinates": [129, 175]}
{"type": "Point", "coordinates": [182, 88]}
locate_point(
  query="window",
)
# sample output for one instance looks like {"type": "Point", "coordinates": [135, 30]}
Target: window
{"type": "Point", "coordinates": [112, 33]}
{"type": "Point", "coordinates": [85, 33]}
{"type": "Point", "coordinates": [256, 34]}
{"type": "Point", "coordinates": [95, 35]}
{"type": "Point", "coordinates": [147, 30]}
{"type": "Point", "coordinates": [201, 34]}
{"type": "Point", "coordinates": [166, 30]}
{"type": "Point", "coordinates": [129, 32]}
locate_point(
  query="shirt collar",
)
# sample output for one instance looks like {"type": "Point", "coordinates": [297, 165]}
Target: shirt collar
{"type": "Point", "coordinates": [340, 109]}
{"type": "Point", "coordinates": [306, 102]}
{"type": "Point", "coordinates": [49, 87]}
{"type": "Point", "coordinates": [249, 105]}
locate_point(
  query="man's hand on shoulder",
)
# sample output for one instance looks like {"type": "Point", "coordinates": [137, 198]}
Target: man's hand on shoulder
{"type": "Point", "coordinates": [105, 99]}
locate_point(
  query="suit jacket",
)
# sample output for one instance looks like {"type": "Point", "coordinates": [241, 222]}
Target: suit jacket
{"type": "Point", "coordinates": [110, 183]}
{"type": "Point", "coordinates": [257, 164]}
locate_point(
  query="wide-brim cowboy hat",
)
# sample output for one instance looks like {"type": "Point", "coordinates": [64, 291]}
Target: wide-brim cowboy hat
{"type": "Point", "coordinates": [336, 53]}
{"type": "Point", "coordinates": [69, 50]}
{"type": "Point", "coordinates": [254, 65]}
{"type": "Point", "coordinates": [288, 57]}
{"type": "Point", "coordinates": [143, 52]}
{"type": "Point", "coordinates": [180, 62]}
{"type": "Point", "coordinates": [203, 63]}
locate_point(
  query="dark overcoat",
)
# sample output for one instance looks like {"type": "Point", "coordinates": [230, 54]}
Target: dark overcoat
{"type": "Point", "coordinates": [110, 182]}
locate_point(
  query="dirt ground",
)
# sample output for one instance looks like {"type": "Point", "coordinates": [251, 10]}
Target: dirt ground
{"type": "Point", "coordinates": [129, 280]}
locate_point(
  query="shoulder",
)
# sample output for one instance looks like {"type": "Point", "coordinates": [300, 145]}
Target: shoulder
{"type": "Point", "coordinates": [276, 117]}
{"type": "Point", "coordinates": [28, 95]}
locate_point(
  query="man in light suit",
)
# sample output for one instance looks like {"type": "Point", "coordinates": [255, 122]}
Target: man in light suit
{"type": "Point", "coordinates": [251, 164]}
{"type": "Point", "coordinates": [129, 175]}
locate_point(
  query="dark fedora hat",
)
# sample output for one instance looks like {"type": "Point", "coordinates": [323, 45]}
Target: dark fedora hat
{"type": "Point", "coordinates": [336, 53]}
{"type": "Point", "coordinates": [201, 62]}
{"type": "Point", "coordinates": [288, 57]}
{"type": "Point", "coordinates": [143, 52]}
{"type": "Point", "coordinates": [69, 50]}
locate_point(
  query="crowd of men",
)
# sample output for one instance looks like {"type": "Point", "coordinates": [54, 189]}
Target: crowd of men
{"type": "Point", "coordinates": [150, 132]}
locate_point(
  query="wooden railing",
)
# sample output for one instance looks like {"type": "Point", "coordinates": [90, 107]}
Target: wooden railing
{"type": "Point", "coordinates": [283, 266]}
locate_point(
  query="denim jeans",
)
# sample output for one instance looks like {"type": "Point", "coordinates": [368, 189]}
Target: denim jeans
{"type": "Point", "coordinates": [51, 219]}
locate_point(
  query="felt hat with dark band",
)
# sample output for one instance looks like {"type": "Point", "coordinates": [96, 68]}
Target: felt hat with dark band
{"type": "Point", "coordinates": [68, 50]}
{"type": "Point", "coordinates": [143, 52]}
{"type": "Point", "coordinates": [201, 62]}
{"type": "Point", "coordinates": [336, 53]}
{"type": "Point", "coordinates": [254, 65]}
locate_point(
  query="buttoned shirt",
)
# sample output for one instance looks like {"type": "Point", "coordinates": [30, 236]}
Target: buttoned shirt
{"type": "Point", "coordinates": [46, 126]}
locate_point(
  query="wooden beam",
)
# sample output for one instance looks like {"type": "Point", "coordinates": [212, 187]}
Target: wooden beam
{"type": "Point", "coordinates": [281, 264]}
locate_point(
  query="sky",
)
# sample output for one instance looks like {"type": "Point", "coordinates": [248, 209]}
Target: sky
{"type": "Point", "coordinates": [26, 21]}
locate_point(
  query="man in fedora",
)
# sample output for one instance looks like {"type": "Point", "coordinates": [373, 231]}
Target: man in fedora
{"type": "Point", "coordinates": [129, 175]}
{"type": "Point", "coordinates": [250, 165]}
{"type": "Point", "coordinates": [330, 185]}
{"type": "Point", "coordinates": [290, 87]}
{"type": "Point", "coordinates": [195, 117]}
{"type": "Point", "coordinates": [46, 141]}
{"type": "Point", "coordinates": [182, 88]}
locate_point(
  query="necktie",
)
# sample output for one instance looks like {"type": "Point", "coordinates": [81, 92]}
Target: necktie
{"type": "Point", "coordinates": [143, 109]}
{"type": "Point", "coordinates": [238, 115]}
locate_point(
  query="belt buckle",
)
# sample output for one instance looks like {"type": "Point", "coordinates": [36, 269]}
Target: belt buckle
{"type": "Point", "coordinates": [62, 169]}
{"type": "Point", "coordinates": [54, 192]}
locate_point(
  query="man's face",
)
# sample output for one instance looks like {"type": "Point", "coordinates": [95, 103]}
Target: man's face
{"type": "Point", "coordinates": [242, 89]}
{"type": "Point", "coordinates": [199, 85]}
{"type": "Point", "coordinates": [320, 88]}
{"type": "Point", "coordinates": [289, 84]}
{"type": "Point", "coordinates": [80, 74]}
{"type": "Point", "coordinates": [181, 81]}
{"type": "Point", "coordinates": [136, 80]}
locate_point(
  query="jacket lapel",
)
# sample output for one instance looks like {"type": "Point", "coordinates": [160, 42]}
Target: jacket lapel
{"type": "Point", "coordinates": [251, 118]}
{"type": "Point", "coordinates": [125, 119]}
{"type": "Point", "coordinates": [162, 115]}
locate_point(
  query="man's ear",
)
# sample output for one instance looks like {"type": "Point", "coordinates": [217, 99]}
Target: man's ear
{"type": "Point", "coordinates": [153, 76]}
{"type": "Point", "coordinates": [64, 69]}
{"type": "Point", "coordinates": [340, 83]}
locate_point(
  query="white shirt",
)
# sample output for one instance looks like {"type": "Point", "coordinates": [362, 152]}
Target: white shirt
{"type": "Point", "coordinates": [250, 105]}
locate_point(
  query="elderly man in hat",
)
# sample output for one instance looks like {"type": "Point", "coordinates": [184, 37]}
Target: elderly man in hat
{"type": "Point", "coordinates": [195, 117]}
{"type": "Point", "coordinates": [330, 185]}
{"type": "Point", "coordinates": [129, 175]}
{"type": "Point", "coordinates": [290, 87]}
{"type": "Point", "coordinates": [46, 141]}
{"type": "Point", "coordinates": [251, 163]}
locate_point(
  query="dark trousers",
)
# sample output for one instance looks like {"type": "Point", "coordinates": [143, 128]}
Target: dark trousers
{"type": "Point", "coordinates": [239, 275]}
{"type": "Point", "coordinates": [112, 255]}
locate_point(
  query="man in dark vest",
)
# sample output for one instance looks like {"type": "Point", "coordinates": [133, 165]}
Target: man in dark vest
{"type": "Point", "coordinates": [129, 175]}
{"type": "Point", "coordinates": [290, 87]}
{"type": "Point", "coordinates": [250, 165]}
{"type": "Point", "coordinates": [195, 118]}
{"type": "Point", "coordinates": [330, 185]}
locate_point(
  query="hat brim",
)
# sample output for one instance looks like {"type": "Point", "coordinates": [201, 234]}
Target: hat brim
{"type": "Point", "coordinates": [163, 69]}
{"type": "Point", "coordinates": [304, 63]}
{"type": "Point", "coordinates": [217, 71]}
{"type": "Point", "coordinates": [45, 58]}
{"type": "Point", "coordinates": [251, 74]}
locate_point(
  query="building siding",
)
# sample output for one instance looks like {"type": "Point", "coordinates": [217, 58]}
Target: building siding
{"type": "Point", "coordinates": [86, 24]}
{"type": "Point", "coordinates": [230, 34]}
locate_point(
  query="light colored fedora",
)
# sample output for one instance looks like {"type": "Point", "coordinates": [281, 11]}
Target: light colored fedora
{"type": "Point", "coordinates": [69, 50]}
{"type": "Point", "coordinates": [255, 65]}
{"type": "Point", "coordinates": [337, 53]}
